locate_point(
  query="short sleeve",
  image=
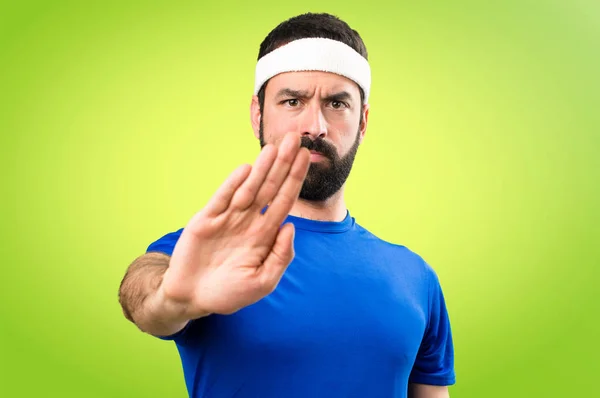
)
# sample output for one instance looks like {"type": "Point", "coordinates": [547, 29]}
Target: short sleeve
{"type": "Point", "coordinates": [434, 364]}
{"type": "Point", "coordinates": [166, 244]}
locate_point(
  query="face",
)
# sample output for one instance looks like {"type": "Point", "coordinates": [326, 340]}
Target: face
{"type": "Point", "coordinates": [326, 110]}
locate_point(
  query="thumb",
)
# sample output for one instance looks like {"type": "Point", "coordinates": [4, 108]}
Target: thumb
{"type": "Point", "coordinates": [281, 255]}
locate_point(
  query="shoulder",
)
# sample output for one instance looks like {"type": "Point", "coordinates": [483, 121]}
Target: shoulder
{"type": "Point", "coordinates": [397, 254]}
{"type": "Point", "coordinates": [408, 273]}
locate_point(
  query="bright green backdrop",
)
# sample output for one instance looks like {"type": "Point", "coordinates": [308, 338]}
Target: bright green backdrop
{"type": "Point", "coordinates": [119, 120]}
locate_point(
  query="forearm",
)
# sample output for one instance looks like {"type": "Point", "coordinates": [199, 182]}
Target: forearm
{"type": "Point", "coordinates": [142, 300]}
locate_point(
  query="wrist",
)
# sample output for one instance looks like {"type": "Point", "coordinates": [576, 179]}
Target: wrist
{"type": "Point", "coordinates": [169, 308]}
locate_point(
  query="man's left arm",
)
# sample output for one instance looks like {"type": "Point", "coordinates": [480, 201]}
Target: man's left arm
{"type": "Point", "coordinates": [433, 369]}
{"type": "Point", "coordinates": [426, 391]}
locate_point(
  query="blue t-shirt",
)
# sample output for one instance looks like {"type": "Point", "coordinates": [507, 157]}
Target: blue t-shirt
{"type": "Point", "coordinates": [353, 316]}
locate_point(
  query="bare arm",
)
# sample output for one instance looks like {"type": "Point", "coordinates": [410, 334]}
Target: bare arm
{"type": "Point", "coordinates": [427, 391]}
{"type": "Point", "coordinates": [143, 301]}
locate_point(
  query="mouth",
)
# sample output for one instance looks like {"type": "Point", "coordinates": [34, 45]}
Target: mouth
{"type": "Point", "coordinates": [316, 156]}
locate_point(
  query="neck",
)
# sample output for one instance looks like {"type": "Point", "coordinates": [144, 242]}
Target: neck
{"type": "Point", "coordinates": [333, 209]}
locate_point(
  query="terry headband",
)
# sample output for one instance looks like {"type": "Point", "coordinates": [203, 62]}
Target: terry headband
{"type": "Point", "coordinates": [315, 54]}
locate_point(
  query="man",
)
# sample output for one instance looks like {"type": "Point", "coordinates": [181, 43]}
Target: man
{"type": "Point", "coordinates": [273, 289]}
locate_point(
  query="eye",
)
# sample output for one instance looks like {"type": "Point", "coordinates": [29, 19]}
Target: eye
{"type": "Point", "coordinates": [338, 104]}
{"type": "Point", "coordinates": [291, 102]}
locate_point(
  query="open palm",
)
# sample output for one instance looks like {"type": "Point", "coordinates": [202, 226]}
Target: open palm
{"type": "Point", "coordinates": [230, 254]}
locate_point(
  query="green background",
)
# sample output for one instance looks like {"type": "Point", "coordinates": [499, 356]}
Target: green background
{"type": "Point", "coordinates": [119, 120]}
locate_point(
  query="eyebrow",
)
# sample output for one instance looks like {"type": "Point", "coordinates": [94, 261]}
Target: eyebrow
{"type": "Point", "coordinates": [288, 92]}
{"type": "Point", "coordinates": [342, 96]}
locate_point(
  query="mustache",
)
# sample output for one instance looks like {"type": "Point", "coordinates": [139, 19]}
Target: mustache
{"type": "Point", "coordinates": [319, 145]}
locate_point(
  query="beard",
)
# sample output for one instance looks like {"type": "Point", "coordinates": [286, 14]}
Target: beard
{"type": "Point", "coordinates": [325, 178]}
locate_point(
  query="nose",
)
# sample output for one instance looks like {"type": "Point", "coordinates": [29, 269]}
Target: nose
{"type": "Point", "coordinates": [314, 124]}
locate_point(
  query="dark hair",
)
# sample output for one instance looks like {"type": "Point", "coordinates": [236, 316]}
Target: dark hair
{"type": "Point", "coordinates": [310, 25]}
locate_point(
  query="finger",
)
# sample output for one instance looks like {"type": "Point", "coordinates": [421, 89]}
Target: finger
{"type": "Point", "coordinates": [246, 193]}
{"type": "Point", "coordinates": [288, 194]}
{"type": "Point", "coordinates": [279, 171]}
{"type": "Point", "coordinates": [219, 202]}
{"type": "Point", "coordinates": [279, 258]}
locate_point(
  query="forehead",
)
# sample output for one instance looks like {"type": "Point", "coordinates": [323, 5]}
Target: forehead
{"type": "Point", "coordinates": [311, 81]}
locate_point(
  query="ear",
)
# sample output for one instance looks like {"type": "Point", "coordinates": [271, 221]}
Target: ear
{"type": "Point", "coordinates": [365, 121]}
{"type": "Point", "coordinates": [255, 116]}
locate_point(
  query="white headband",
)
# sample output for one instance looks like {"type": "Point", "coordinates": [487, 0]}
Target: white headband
{"type": "Point", "coordinates": [315, 54]}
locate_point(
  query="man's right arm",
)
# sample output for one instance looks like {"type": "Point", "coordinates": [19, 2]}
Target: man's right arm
{"type": "Point", "coordinates": [230, 254]}
{"type": "Point", "coordinates": [144, 302]}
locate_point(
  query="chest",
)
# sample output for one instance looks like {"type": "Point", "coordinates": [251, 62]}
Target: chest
{"type": "Point", "coordinates": [330, 311]}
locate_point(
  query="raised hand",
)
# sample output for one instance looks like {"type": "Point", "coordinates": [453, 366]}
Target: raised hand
{"type": "Point", "coordinates": [230, 255]}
